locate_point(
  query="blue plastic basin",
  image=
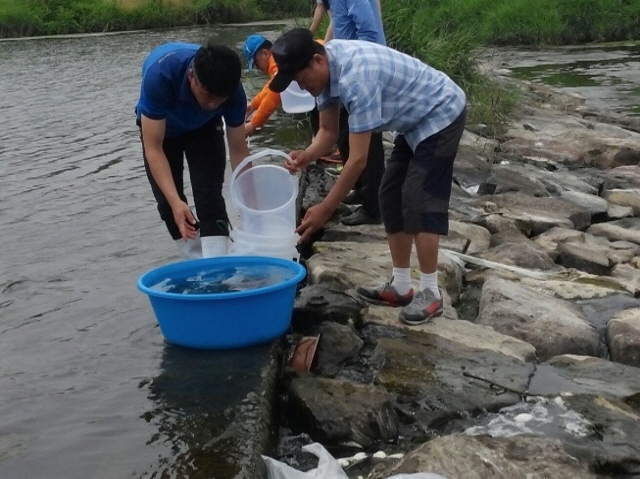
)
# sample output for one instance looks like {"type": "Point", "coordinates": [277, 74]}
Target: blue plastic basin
{"type": "Point", "coordinates": [223, 320]}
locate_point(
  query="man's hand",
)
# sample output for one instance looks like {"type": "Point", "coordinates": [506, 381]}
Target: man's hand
{"type": "Point", "coordinates": [313, 220]}
{"type": "Point", "coordinates": [249, 112]}
{"type": "Point", "coordinates": [185, 220]}
{"type": "Point", "coordinates": [249, 129]}
{"type": "Point", "coordinates": [300, 159]}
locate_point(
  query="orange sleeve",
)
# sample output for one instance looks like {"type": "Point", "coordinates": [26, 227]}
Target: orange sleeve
{"type": "Point", "coordinates": [268, 105]}
{"type": "Point", "coordinates": [255, 103]}
{"type": "Point", "coordinates": [266, 101]}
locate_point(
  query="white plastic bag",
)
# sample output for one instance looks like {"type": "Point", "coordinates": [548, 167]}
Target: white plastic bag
{"type": "Point", "coordinates": [328, 467]}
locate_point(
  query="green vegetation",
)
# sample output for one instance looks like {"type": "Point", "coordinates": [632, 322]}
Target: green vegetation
{"type": "Point", "coordinates": [518, 22]}
{"type": "Point", "coordinates": [20, 18]}
{"type": "Point", "coordinates": [443, 33]}
{"type": "Point", "coordinates": [499, 22]}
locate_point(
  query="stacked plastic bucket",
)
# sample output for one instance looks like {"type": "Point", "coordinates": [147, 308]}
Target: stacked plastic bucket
{"type": "Point", "coordinates": [265, 197]}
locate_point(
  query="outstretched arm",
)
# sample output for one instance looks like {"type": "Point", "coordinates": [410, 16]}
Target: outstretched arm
{"type": "Point", "coordinates": [318, 215]}
{"type": "Point", "coordinates": [152, 137]}
{"type": "Point", "coordinates": [329, 34]}
{"type": "Point", "coordinates": [322, 143]}
{"type": "Point", "coordinates": [238, 149]}
{"type": "Point", "coordinates": [318, 15]}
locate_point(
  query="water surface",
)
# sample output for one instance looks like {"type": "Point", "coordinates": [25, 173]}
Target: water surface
{"type": "Point", "coordinates": [608, 77]}
{"type": "Point", "coordinates": [225, 280]}
{"type": "Point", "coordinates": [88, 388]}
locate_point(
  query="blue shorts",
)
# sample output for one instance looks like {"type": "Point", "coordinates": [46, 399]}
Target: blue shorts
{"type": "Point", "coordinates": [416, 186]}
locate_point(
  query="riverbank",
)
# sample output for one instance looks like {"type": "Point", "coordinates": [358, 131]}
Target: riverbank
{"type": "Point", "coordinates": [532, 371]}
{"type": "Point", "coordinates": [515, 22]}
{"type": "Point", "coordinates": [445, 35]}
{"type": "Point", "coordinates": [25, 18]}
{"type": "Point", "coordinates": [503, 22]}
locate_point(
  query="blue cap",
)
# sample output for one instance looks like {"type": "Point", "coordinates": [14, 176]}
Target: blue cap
{"type": "Point", "coordinates": [251, 47]}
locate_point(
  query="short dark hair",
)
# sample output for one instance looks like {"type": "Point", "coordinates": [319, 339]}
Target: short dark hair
{"type": "Point", "coordinates": [218, 69]}
{"type": "Point", "coordinates": [266, 45]}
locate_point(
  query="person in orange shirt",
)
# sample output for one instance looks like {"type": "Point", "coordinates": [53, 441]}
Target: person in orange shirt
{"type": "Point", "coordinates": [257, 51]}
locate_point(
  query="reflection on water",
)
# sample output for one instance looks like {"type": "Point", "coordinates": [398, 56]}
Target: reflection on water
{"type": "Point", "coordinates": [564, 76]}
{"type": "Point", "coordinates": [199, 397]}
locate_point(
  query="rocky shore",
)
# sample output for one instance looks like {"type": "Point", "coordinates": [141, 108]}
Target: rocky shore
{"type": "Point", "coordinates": [533, 371]}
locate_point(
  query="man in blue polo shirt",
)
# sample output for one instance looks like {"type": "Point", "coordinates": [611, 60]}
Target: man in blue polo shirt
{"type": "Point", "coordinates": [383, 89]}
{"type": "Point", "coordinates": [187, 90]}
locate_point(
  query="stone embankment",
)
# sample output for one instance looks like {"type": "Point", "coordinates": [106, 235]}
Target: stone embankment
{"type": "Point", "coordinates": [533, 369]}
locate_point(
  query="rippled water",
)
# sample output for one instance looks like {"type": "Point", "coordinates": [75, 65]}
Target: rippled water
{"type": "Point", "coordinates": [225, 280]}
{"type": "Point", "coordinates": [82, 363]}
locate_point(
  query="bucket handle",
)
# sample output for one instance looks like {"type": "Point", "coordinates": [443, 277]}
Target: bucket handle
{"type": "Point", "coordinates": [257, 156]}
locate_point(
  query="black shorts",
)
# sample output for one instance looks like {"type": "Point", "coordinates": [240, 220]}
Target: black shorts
{"type": "Point", "coordinates": [416, 186]}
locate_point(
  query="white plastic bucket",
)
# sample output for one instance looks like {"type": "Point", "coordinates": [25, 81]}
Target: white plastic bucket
{"type": "Point", "coordinates": [296, 100]}
{"type": "Point", "coordinates": [285, 236]}
{"type": "Point", "coordinates": [265, 196]}
{"type": "Point", "coordinates": [246, 244]}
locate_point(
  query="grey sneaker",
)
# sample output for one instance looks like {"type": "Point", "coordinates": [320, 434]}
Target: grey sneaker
{"type": "Point", "coordinates": [386, 295]}
{"type": "Point", "coordinates": [423, 308]}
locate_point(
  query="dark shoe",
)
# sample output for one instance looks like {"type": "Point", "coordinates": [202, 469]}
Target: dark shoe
{"type": "Point", "coordinates": [353, 198]}
{"type": "Point", "coordinates": [423, 308]}
{"type": "Point", "coordinates": [386, 295]}
{"type": "Point", "coordinates": [360, 217]}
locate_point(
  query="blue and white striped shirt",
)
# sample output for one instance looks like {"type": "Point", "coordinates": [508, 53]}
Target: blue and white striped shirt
{"type": "Point", "coordinates": [383, 89]}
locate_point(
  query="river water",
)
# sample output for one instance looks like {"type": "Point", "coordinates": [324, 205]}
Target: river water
{"type": "Point", "coordinates": [606, 76]}
{"type": "Point", "coordinates": [85, 376]}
